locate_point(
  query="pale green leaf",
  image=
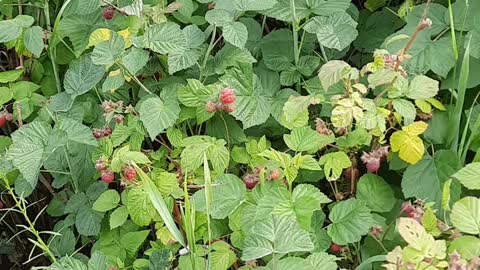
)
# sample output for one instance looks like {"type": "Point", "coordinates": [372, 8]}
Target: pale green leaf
{"type": "Point", "coordinates": [107, 201]}
{"type": "Point", "coordinates": [33, 40]}
{"type": "Point", "coordinates": [465, 215]}
{"type": "Point", "coordinates": [351, 220]}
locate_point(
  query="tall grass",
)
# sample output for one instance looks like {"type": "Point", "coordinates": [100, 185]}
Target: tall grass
{"type": "Point", "coordinates": [159, 203]}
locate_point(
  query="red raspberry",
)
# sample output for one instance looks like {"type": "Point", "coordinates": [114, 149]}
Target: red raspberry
{"type": "Point", "coordinates": [108, 177]}
{"type": "Point", "coordinates": [229, 108]}
{"type": "Point", "coordinates": [275, 174]}
{"type": "Point", "coordinates": [98, 134]}
{"type": "Point", "coordinates": [9, 116]}
{"type": "Point", "coordinates": [3, 121]}
{"type": "Point", "coordinates": [129, 173]}
{"type": "Point", "coordinates": [373, 166]}
{"type": "Point", "coordinates": [227, 96]}
{"type": "Point", "coordinates": [108, 13]}
{"type": "Point", "coordinates": [250, 181]}
{"type": "Point", "coordinates": [210, 107]}
{"type": "Point", "coordinates": [334, 248]}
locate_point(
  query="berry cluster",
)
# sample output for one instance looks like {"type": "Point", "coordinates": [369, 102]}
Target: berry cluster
{"type": "Point", "coordinates": [415, 210]}
{"type": "Point", "coordinates": [4, 118]}
{"type": "Point", "coordinates": [129, 173]}
{"type": "Point", "coordinates": [227, 102]}
{"type": "Point", "coordinates": [106, 175]}
{"type": "Point", "coordinates": [374, 159]}
{"type": "Point", "coordinates": [102, 133]}
{"type": "Point", "coordinates": [114, 110]}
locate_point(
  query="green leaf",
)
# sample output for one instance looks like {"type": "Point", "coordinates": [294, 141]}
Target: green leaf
{"type": "Point", "coordinates": [181, 60]}
{"type": "Point", "coordinates": [335, 31]}
{"type": "Point", "coordinates": [468, 176]}
{"type": "Point", "coordinates": [118, 217]}
{"type": "Point", "coordinates": [9, 31]}
{"type": "Point", "coordinates": [322, 261]}
{"type": "Point", "coordinates": [88, 221]}
{"type": "Point", "coordinates": [376, 193]}
{"type": "Point", "coordinates": [467, 246]}
{"type": "Point", "coordinates": [244, 5]}
{"type": "Point", "coordinates": [139, 206]}
{"type": "Point", "coordinates": [219, 17]}
{"type": "Point", "coordinates": [373, 5]}
{"type": "Point", "coordinates": [28, 150]}
{"type": "Point", "coordinates": [332, 72]}
{"type": "Point", "coordinates": [68, 263]}
{"type": "Point", "coordinates": [165, 38]}
{"type": "Point", "coordinates": [252, 106]}
{"type": "Point", "coordinates": [334, 163]}
{"type": "Point", "coordinates": [107, 52]}
{"type": "Point", "coordinates": [465, 215]}
{"type": "Point", "coordinates": [283, 10]}
{"type": "Point", "coordinates": [33, 40]}
{"type": "Point", "coordinates": [222, 256]}
{"type": "Point", "coordinates": [306, 139]}
{"type": "Point", "coordinates": [235, 33]}
{"type": "Point", "coordinates": [159, 203]}
{"type": "Point", "coordinates": [132, 241]}
{"type": "Point", "coordinates": [135, 60]}
{"type": "Point", "coordinates": [351, 220]}
{"type": "Point", "coordinates": [275, 235]}
{"type": "Point", "coordinates": [277, 50]}
{"type": "Point", "coordinates": [425, 179]}
{"type": "Point", "coordinates": [422, 87]}
{"type": "Point", "coordinates": [159, 113]}
{"type": "Point", "coordinates": [98, 261]}
{"type": "Point", "coordinates": [195, 94]}
{"type": "Point", "coordinates": [406, 109]}
{"type": "Point", "coordinates": [107, 201]}
{"type": "Point", "coordinates": [197, 146]}
{"type": "Point", "coordinates": [87, 6]}
{"type": "Point", "coordinates": [11, 75]}
{"type": "Point", "coordinates": [82, 75]}
{"type": "Point", "coordinates": [228, 192]}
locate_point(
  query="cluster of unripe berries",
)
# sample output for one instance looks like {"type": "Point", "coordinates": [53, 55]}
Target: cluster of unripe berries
{"type": "Point", "coordinates": [114, 110]}
{"type": "Point", "coordinates": [251, 179]}
{"type": "Point", "coordinates": [4, 118]}
{"type": "Point", "coordinates": [108, 176]}
{"type": "Point", "coordinates": [227, 102]}
{"type": "Point", "coordinates": [102, 133]}
{"type": "Point", "coordinates": [374, 159]}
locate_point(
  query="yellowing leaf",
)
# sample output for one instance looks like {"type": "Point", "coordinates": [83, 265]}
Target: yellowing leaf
{"type": "Point", "coordinates": [414, 234]}
{"type": "Point", "coordinates": [424, 106]}
{"type": "Point", "coordinates": [435, 103]}
{"type": "Point", "coordinates": [416, 128]}
{"type": "Point", "coordinates": [126, 37]}
{"type": "Point", "coordinates": [98, 36]}
{"type": "Point", "coordinates": [406, 142]}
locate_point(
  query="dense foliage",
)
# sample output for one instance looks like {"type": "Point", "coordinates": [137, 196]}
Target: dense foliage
{"type": "Point", "coordinates": [239, 134]}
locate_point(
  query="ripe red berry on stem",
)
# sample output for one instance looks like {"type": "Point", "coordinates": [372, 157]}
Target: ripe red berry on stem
{"type": "Point", "coordinates": [108, 13]}
{"type": "Point", "coordinates": [227, 96]}
{"type": "Point", "coordinates": [3, 121]}
{"type": "Point", "coordinates": [108, 177]}
{"type": "Point", "coordinates": [250, 181]}
{"type": "Point", "coordinates": [334, 248]}
{"type": "Point", "coordinates": [130, 173]}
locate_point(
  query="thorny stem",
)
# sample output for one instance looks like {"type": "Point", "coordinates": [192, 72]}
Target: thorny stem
{"type": "Point", "coordinates": [34, 231]}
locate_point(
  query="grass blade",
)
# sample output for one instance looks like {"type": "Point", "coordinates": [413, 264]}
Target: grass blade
{"type": "Point", "coordinates": [208, 201]}
{"type": "Point", "coordinates": [456, 117]}
{"type": "Point", "coordinates": [159, 204]}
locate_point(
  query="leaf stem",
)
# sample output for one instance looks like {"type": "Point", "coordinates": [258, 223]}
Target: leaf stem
{"type": "Point", "coordinates": [295, 32]}
{"type": "Point", "coordinates": [209, 49]}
